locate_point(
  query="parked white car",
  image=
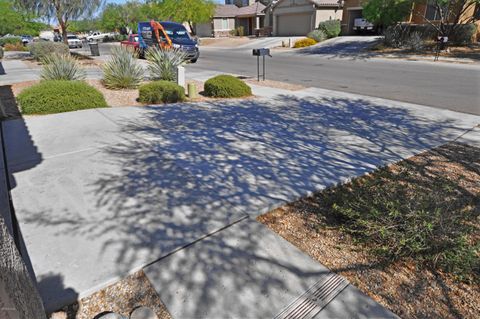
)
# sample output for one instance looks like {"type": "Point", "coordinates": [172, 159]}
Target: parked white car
{"type": "Point", "coordinates": [361, 24]}
{"type": "Point", "coordinates": [74, 41]}
{"type": "Point", "coordinates": [98, 36]}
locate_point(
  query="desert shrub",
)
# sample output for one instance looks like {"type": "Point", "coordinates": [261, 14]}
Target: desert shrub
{"type": "Point", "coordinates": [302, 43]}
{"type": "Point", "coordinates": [317, 35]}
{"type": "Point", "coordinates": [122, 70]}
{"type": "Point", "coordinates": [240, 31]}
{"type": "Point", "coordinates": [39, 50]}
{"type": "Point", "coordinates": [61, 67]}
{"type": "Point", "coordinates": [161, 92]}
{"type": "Point", "coordinates": [415, 42]}
{"type": "Point", "coordinates": [15, 47]}
{"type": "Point", "coordinates": [393, 37]}
{"type": "Point", "coordinates": [10, 40]}
{"type": "Point", "coordinates": [332, 28]}
{"type": "Point", "coordinates": [226, 86]}
{"type": "Point", "coordinates": [463, 34]}
{"type": "Point", "coordinates": [163, 63]}
{"type": "Point", "coordinates": [59, 96]}
{"type": "Point", "coordinates": [399, 212]}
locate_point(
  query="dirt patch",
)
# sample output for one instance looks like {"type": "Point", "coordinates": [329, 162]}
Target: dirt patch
{"type": "Point", "coordinates": [115, 98]}
{"type": "Point", "coordinates": [122, 298]}
{"type": "Point", "coordinates": [406, 286]}
{"type": "Point", "coordinates": [276, 84]}
{"type": "Point", "coordinates": [467, 52]}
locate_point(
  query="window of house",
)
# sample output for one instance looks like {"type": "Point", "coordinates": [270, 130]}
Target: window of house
{"type": "Point", "coordinates": [224, 24]}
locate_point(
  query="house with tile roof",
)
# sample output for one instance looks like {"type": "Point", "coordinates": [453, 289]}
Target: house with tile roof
{"type": "Point", "coordinates": [248, 14]}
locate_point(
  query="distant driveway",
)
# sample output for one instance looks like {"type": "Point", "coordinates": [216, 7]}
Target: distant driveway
{"type": "Point", "coordinates": [347, 45]}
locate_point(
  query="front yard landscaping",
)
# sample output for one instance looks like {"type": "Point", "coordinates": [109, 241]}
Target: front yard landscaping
{"type": "Point", "coordinates": [407, 235]}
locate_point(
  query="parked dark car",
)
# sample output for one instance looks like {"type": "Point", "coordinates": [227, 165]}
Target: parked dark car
{"type": "Point", "coordinates": [176, 32]}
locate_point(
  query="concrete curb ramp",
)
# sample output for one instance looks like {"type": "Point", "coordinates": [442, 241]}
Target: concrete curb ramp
{"type": "Point", "coordinates": [247, 271]}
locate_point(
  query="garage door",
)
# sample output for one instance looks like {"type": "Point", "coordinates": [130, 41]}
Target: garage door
{"type": "Point", "coordinates": [294, 24]}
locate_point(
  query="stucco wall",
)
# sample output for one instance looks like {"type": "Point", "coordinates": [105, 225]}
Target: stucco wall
{"type": "Point", "coordinates": [327, 14]}
{"type": "Point", "coordinates": [18, 295]}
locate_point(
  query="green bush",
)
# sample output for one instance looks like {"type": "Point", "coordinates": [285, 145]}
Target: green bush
{"type": "Point", "coordinates": [61, 67]}
{"type": "Point", "coordinates": [332, 28]}
{"type": "Point", "coordinates": [317, 35]}
{"type": "Point", "coordinates": [226, 86]}
{"type": "Point", "coordinates": [10, 40]}
{"type": "Point", "coordinates": [161, 92]}
{"type": "Point", "coordinates": [122, 70]}
{"type": "Point", "coordinates": [40, 50]}
{"type": "Point", "coordinates": [59, 96]}
{"type": "Point", "coordinates": [302, 43]}
{"type": "Point", "coordinates": [1, 53]}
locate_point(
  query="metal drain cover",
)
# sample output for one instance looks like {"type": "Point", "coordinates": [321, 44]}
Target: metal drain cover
{"type": "Point", "coordinates": [310, 303]}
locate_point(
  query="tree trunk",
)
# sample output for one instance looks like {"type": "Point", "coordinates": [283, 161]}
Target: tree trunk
{"type": "Point", "coordinates": [63, 26]}
{"type": "Point", "coordinates": [192, 27]}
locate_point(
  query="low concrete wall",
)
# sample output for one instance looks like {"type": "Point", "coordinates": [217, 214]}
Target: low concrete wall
{"type": "Point", "coordinates": [19, 298]}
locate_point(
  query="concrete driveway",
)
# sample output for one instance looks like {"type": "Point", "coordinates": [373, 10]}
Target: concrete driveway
{"type": "Point", "coordinates": [101, 193]}
{"type": "Point", "coordinates": [342, 46]}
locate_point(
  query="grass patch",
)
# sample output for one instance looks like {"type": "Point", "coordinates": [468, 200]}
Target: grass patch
{"type": "Point", "coordinates": [59, 96]}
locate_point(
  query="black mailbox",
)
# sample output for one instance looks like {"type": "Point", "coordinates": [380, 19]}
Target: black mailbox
{"type": "Point", "coordinates": [261, 52]}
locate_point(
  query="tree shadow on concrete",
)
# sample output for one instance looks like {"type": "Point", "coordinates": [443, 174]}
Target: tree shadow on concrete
{"type": "Point", "coordinates": [2, 69]}
{"type": "Point", "coordinates": [185, 171]}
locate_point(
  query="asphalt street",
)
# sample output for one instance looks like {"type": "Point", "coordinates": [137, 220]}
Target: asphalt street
{"type": "Point", "coordinates": [452, 86]}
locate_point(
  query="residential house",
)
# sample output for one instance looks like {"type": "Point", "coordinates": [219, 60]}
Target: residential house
{"type": "Point", "coordinates": [248, 14]}
{"type": "Point", "coordinates": [299, 17]}
{"type": "Point", "coordinates": [352, 9]}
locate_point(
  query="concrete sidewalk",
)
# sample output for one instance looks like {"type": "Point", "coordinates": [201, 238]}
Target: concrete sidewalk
{"type": "Point", "coordinates": [101, 193]}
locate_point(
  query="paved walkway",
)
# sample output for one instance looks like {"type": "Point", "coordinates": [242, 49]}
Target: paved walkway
{"type": "Point", "coordinates": [100, 193]}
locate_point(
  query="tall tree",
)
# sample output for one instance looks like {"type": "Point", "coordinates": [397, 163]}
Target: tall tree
{"type": "Point", "coordinates": [385, 13]}
{"type": "Point", "coordinates": [447, 15]}
{"type": "Point", "coordinates": [190, 11]}
{"type": "Point", "coordinates": [16, 21]}
{"type": "Point", "coordinates": [120, 16]}
{"type": "Point", "coordinates": [63, 10]}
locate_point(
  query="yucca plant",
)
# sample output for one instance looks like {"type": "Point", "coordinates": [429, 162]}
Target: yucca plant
{"type": "Point", "coordinates": [61, 67]}
{"type": "Point", "coordinates": [122, 70]}
{"type": "Point", "coordinates": [163, 62]}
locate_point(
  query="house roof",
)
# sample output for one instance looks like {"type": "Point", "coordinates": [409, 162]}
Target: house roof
{"type": "Point", "coordinates": [326, 3]}
{"type": "Point", "coordinates": [252, 10]}
{"type": "Point", "coordinates": [318, 3]}
{"type": "Point", "coordinates": [231, 10]}
{"type": "Point", "coordinates": [225, 11]}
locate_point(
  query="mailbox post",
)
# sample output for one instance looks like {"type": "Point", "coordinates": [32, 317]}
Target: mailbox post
{"type": "Point", "coordinates": [261, 53]}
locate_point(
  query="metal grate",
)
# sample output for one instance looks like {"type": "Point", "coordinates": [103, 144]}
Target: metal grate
{"type": "Point", "coordinates": [310, 303]}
